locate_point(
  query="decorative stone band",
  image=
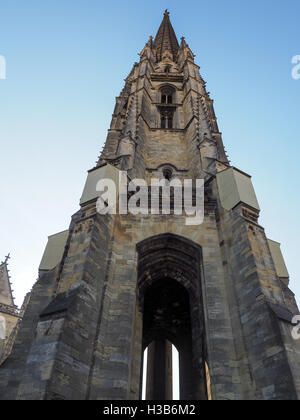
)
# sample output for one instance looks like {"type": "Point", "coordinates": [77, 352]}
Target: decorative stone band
{"type": "Point", "coordinates": [10, 310]}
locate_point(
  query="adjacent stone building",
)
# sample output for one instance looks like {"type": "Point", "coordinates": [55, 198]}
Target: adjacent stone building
{"type": "Point", "coordinates": [113, 285]}
{"type": "Point", "coordinates": [10, 316]}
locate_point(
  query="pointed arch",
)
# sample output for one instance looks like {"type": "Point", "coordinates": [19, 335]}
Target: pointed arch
{"type": "Point", "coordinates": [167, 94]}
{"type": "Point", "coordinates": [170, 299]}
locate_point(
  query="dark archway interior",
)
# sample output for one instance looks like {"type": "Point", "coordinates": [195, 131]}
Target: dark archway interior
{"type": "Point", "coordinates": [169, 287]}
{"type": "Point", "coordinates": [166, 312]}
{"type": "Point", "coordinates": [166, 321]}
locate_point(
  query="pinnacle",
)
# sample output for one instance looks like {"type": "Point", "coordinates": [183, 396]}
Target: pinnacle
{"type": "Point", "coordinates": [6, 296]}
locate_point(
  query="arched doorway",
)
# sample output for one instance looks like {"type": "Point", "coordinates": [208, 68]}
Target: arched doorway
{"type": "Point", "coordinates": [170, 298]}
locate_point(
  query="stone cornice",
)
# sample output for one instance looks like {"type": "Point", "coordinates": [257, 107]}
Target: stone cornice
{"type": "Point", "coordinates": [10, 310]}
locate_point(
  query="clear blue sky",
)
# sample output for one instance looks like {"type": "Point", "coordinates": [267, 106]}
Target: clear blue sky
{"type": "Point", "coordinates": [66, 61]}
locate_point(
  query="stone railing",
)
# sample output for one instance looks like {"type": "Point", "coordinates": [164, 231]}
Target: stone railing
{"type": "Point", "coordinates": [10, 310]}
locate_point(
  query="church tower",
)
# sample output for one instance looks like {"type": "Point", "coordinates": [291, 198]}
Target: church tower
{"type": "Point", "coordinates": [114, 285]}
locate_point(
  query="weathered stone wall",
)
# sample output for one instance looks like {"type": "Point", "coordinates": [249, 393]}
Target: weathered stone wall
{"type": "Point", "coordinates": [83, 338]}
{"type": "Point", "coordinates": [254, 286]}
{"type": "Point", "coordinates": [118, 350]}
{"type": "Point", "coordinates": [12, 371]}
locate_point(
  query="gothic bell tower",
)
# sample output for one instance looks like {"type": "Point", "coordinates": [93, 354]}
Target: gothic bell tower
{"type": "Point", "coordinates": [114, 285]}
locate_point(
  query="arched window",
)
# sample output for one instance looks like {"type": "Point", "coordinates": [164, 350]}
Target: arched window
{"type": "Point", "coordinates": [167, 107]}
{"type": "Point", "coordinates": [167, 69]}
{"type": "Point", "coordinates": [167, 94]}
{"type": "Point", "coordinates": [166, 117]}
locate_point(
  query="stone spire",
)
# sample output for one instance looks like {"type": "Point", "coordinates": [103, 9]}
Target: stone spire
{"type": "Point", "coordinates": [6, 296]}
{"type": "Point", "coordinates": [165, 39]}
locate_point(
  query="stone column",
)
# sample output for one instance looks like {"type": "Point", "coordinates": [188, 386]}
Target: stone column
{"type": "Point", "coordinates": [159, 371]}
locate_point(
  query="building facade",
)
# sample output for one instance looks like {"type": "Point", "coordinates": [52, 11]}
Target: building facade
{"type": "Point", "coordinates": [113, 285]}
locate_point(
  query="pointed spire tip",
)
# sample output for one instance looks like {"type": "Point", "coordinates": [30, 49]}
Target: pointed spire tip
{"type": "Point", "coordinates": [165, 39]}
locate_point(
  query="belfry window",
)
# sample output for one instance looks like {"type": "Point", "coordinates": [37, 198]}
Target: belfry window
{"type": "Point", "coordinates": [166, 118]}
{"type": "Point", "coordinates": [166, 122]}
{"type": "Point", "coordinates": [167, 69]}
{"type": "Point", "coordinates": [166, 99]}
{"type": "Point", "coordinates": [167, 94]}
{"type": "Point", "coordinates": [167, 107]}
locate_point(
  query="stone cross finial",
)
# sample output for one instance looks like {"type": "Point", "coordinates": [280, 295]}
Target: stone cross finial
{"type": "Point", "coordinates": [7, 258]}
